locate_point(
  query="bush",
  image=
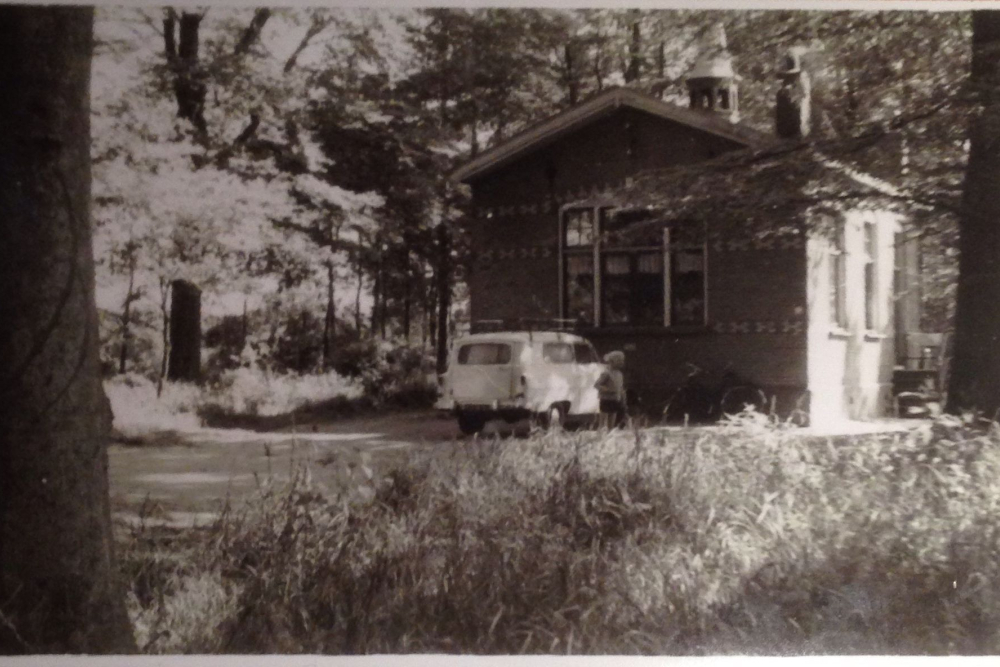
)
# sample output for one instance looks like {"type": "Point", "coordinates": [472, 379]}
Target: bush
{"type": "Point", "coordinates": [748, 537]}
{"type": "Point", "coordinates": [258, 392]}
{"type": "Point", "coordinates": [400, 377]}
{"type": "Point", "coordinates": [241, 393]}
{"type": "Point", "coordinates": [138, 412]}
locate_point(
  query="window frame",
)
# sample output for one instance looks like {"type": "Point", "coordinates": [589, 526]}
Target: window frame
{"type": "Point", "coordinates": [869, 273]}
{"type": "Point", "coordinates": [578, 250]}
{"type": "Point", "coordinates": [837, 257]}
{"type": "Point", "coordinates": [601, 212]}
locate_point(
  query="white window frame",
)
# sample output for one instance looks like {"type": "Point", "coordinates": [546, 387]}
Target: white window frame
{"type": "Point", "coordinates": [870, 275]}
{"type": "Point", "coordinates": [838, 258]}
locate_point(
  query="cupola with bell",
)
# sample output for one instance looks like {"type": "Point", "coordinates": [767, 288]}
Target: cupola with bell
{"type": "Point", "coordinates": [712, 82]}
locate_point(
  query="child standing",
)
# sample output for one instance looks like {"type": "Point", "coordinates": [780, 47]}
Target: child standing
{"type": "Point", "coordinates": [611, 390]}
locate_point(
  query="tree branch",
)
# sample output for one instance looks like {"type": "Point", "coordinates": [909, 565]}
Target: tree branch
{"type": "Point", "coordinates": [252, 32]}
{"type": "Point", "coordinates": [319, 23]}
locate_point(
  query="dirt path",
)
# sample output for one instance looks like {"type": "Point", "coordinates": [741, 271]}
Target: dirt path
{"type": "Point", "coordinates": [186, 478]}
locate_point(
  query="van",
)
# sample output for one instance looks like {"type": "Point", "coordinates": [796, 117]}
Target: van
{"type": "Point", "coordinates": [545, 375]}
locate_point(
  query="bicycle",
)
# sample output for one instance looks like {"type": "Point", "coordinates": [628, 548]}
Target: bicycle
{"type": "Point", "coordinates": [699, 401]}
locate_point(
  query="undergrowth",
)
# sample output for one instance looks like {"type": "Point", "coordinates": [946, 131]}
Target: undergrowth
{"type": "Point", "coordinates": [746, 538]}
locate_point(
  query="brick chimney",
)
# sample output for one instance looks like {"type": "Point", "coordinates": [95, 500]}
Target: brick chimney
{"type": "Point", "coordinates": [793, 110]}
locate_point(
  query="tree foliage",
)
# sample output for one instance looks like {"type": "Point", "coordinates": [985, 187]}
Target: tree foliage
{"type": "Point", "coordinates": [303, 154]}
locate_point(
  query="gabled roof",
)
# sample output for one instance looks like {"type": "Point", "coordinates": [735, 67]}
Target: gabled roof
{"type": "Point", "coordinates": [561, 124]}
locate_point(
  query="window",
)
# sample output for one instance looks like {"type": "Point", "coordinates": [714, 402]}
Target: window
{"type": "Point", "coordinates": [484, 354]}
{"type": "Point", "coordinates": [838, 279]}
{"type": "Point", "coordinates": [871, 276]}
{"type": "Point", "coordinates": [649, 273]}
{"type": "Point", "coordinates": [686, 253]}
{"type": "Point", "coordinates": [557, 353]}
{"type": "Point", "coordinates": [578, 260]}
{"type": "Point", "coordinates": [579, 228]}
{"type": "Point", "coordinates": [632, 287]}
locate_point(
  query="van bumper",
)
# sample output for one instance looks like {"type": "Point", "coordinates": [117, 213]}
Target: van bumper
{"type": "Point", "coordinates": [509, 410]}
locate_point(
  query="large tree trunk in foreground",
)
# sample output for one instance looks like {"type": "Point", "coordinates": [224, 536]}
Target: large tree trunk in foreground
{"type": "Point", "coordinates": [59, 588]}
{"type": "Point", "coordinates": [975, 370]}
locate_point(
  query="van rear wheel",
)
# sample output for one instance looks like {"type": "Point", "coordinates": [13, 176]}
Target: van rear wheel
{"type": "Point", "coordinates": [554, 419]}
{"type": "Point", "coordinates": [470, 423]}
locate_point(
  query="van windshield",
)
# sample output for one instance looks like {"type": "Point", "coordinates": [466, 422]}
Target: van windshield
{"type": "Point", "coordinates": [484, 354]}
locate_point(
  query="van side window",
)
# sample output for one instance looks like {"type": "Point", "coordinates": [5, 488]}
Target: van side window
{"type": "Point", "coordinates": [484, 354]}
{"type": "Point", "coordinates": [557, 353]}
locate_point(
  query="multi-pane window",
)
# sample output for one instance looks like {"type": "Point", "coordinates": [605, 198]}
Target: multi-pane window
{"type": "Point", "coordinates": [686, 255]}
{"type": "Point", "coordinates": [871, 276]}
{"type": "Point", "coordinates": [578, 261]}
{"type": "Point", "coordinates": [650, 273]}
{"type": "Point", "coordinates": [838, 278]}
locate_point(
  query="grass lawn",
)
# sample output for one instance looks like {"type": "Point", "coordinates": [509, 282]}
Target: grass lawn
{"type": "Point", "coordinates": [749, 538]}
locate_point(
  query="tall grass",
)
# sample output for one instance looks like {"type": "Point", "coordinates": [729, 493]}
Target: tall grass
{"type": "Point", "coordinates": [748, 538]}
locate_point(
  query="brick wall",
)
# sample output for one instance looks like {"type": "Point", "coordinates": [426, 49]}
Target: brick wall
{"type": "Point", "coordinates": [756, 291]}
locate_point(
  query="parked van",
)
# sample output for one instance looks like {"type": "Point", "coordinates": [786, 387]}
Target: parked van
{"type": "Point", "coordinates": [548, 375]}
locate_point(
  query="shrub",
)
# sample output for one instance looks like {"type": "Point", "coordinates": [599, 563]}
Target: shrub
{"type": "Point", "coordinates": [138, 412]}
{"type": "Point", "coordinates": [258, 392]}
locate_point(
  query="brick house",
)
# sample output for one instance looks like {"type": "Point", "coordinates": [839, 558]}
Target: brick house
{"type": "Point", "coordinates": [807, 316]}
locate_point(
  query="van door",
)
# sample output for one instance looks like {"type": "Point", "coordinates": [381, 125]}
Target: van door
{"type": "Point", "coordinates": [483, 373]}
{"type": "Point", "coordinates": [561, 378]}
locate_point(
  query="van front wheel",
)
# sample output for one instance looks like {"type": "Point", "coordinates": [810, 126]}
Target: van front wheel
{"type": "Point", "coordinates": [470, 423]}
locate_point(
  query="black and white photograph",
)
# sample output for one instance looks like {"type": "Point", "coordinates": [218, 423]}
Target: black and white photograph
{"type": "Point", "coordinates": [668, 329]}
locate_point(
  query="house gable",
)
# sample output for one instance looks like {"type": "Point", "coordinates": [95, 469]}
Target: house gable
{"type": "Point", "coordinates": [600, 156]}
{"type": "Point", "coordinates": [609, 103]}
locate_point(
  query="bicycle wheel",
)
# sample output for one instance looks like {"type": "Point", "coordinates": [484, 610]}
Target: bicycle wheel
{"type": "Point", "coordinates": [742, 398]}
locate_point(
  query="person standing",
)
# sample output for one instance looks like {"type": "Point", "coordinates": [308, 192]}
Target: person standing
{"type": "Point", "coordinates": [611, 390]}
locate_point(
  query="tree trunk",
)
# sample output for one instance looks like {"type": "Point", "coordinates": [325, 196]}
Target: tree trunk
{"type": "Point", "coordinates": [252, 32]}
{"type": "Point", "coordinates": [244, 328]}
{"type": "Point", "coordinates": [444, 295]}
{"type": "Point", "coordinates": [432, 312]}
{"type": "Point", "coordinates": [633, 70]}
{"type": "Point", "coordinates": [164, 334]}
{"type": "Point", "coordinates": [572, 81]}
{"type": "Point", "coordinates": [381, 303]}
{"type": "Point", "coordinates": [130, 296]}
{"type": "Point", "coordinates": [376, 291]}
{"type": "Point", "coordinates": [182, 56]}
{"type": "Point", "coordinates": [975, 370]}
{"type": "Point", "coordinates": [407, 299]}
{"type": "Point", "coordinates": [60, 590]}
{"type": "Point", "coordinates": [185, 332]}
{"type": "Point", "coordinates": [328, 320]}
{"type": "Point", "coordinates": [425, 326]}
{"type": "Point", "coordinates": [598, 68]}
{"type": "Point", "coordinates": [357, 296]}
